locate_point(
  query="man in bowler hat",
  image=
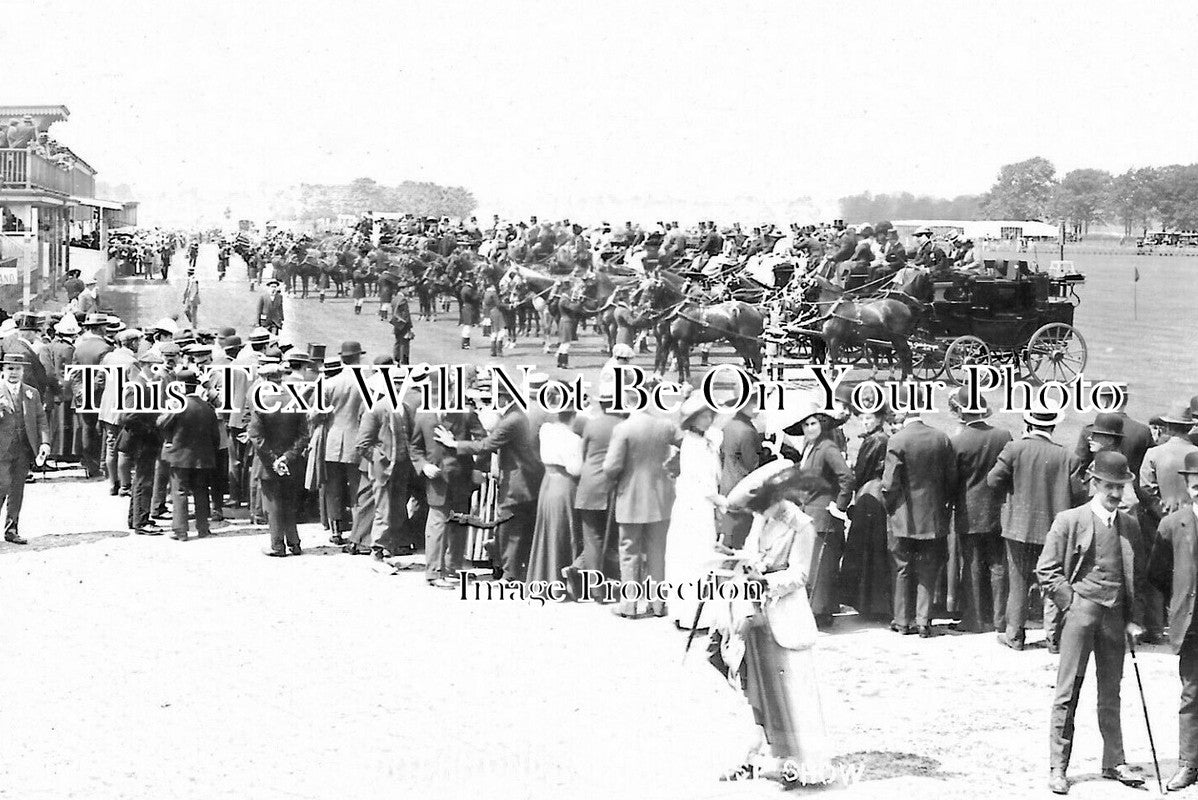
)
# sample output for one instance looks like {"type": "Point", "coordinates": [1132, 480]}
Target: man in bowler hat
{"type": "Point", "coordinates": [1093, 566]}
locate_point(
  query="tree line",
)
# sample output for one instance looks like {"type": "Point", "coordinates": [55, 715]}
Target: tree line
{"type": "Point", "coordinates": [424, 199]}
{"type": "Point", "coordinates": [1030, 190]}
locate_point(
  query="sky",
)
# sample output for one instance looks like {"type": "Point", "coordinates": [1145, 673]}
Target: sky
{"type": "Point", "coordinates": [603, 108]}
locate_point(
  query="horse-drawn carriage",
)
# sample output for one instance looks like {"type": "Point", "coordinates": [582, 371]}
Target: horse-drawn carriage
{"type": "Point", "coordinates": [1024, 319]}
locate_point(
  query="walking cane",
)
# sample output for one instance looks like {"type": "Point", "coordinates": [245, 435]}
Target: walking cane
{"type": "Point", "coordinates": [1143, 704]}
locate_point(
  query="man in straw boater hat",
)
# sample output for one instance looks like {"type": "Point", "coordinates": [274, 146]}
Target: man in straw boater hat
{"type": "Point", "coordinates": [1037, 475]}
{"type": "Point", "coordinates": [336, 442]}
{"type": "Point", "coordinates": [24, 438]}
{"type": "Point", "coordinates": [978, 516]}
{"type": "Point", "coordinates": [90, 349]}
{"type": "Point", "coordinates": [1174, 570]}
{"type": "Point", "coordinates": [1093, 566]}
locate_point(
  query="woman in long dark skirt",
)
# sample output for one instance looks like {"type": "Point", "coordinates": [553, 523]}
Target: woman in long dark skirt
{"type": "Point", "coordinates": [822, 458]}
{"type": "Point", "coordinates": [866, 573]}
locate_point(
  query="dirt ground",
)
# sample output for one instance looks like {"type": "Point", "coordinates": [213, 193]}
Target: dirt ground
{"type": "Point", "coordinates": [149, 668]}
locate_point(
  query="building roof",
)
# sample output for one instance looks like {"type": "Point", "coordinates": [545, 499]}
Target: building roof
{"type": "Point", "coordinates": [48, 113]}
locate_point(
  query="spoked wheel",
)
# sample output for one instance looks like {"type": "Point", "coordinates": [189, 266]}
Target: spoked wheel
{"type": "Point", "coordinates": [851, 354]}
{"type": "Point", "coordinates": [1055, 352]}
{"type": "Point", "coordinates": [963, 352]}
{"type": "Point", "coordinates": [927, 359]}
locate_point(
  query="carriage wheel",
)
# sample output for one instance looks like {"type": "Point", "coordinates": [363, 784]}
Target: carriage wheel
{"type": "Point", "coordinates": [851, 354]}
{"type": "Point", "coordinates": [963, 352]}
{"type": "Point", "coordinates": [927, 360]}
{"type": "Point", "coordinates": [1055, 352]}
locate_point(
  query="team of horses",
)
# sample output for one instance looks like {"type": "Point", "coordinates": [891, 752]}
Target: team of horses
{"type": "Point", "coordinates": [557, 291]}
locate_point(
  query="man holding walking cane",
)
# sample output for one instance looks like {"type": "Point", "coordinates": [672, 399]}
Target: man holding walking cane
{"type": "Point", "coordinates": [1093, 567]}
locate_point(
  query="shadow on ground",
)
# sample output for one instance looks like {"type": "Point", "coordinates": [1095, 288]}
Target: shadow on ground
{"type": "Point", "coordinates": [59, 540]}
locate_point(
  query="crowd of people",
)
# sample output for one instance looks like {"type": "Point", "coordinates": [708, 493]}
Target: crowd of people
{"type": "Point", "coordinates": [833, 511]}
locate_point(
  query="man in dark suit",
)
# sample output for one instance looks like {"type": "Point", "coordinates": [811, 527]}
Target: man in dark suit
{"type": "Point", "coordinates": [1173, 570]}
{"type": "Point", "coordinates": [270, 307]}
{"type": "Point", "coordinates": [448, 484]}
{"type": "Point", "coordinates": [190, 438]}
{"type": "Point", "coordinates": [636, 464]}
{"type": "Point", "coordinates": [520, 473]}
{"type": "Point", "coordinates": [24, 438]}
{"type": "Point", "coordinates": [90, 349]}
{"type": "Point", "coordinates": [1036, 474]}
{"type": "Point", "coordinates": [977, 518]}
{"type": "Point", "coordinates": [593, 496]}
{"type": "Point", "coordinates": [740, 454]}
{"type": "Point", "coordinates": [279, 440]}
{"type": "Point", "coordinates": [383, 441]}
{"type": "Point", "coordinates": [140, 440]}
{"type": "Point", "coordinates": [1093, 567]}
{"type": "Point", "coordinates": [919, 484]}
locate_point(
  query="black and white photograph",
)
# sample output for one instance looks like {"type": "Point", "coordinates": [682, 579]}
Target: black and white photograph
{"type": "Point", "coordinates": [538, 400]}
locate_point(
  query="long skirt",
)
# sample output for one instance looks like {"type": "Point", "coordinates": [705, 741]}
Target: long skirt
{"type": "Point", "coordinates": [62, 431]}
{"type": "Point", "coordinates": [690, 556]}
{"type": "Point", "coordinates": [866, 575]}
{"type": "Point", "coordinates": [556, 530]}
{"type": "Point", "coordinates": [782, 688]}
{"type": "Point", "coordinates": [825, 571]}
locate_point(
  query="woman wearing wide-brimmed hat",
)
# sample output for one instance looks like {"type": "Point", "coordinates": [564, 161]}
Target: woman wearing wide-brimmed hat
{"type": "Point", "coordinates": [766, 646]}
{"type": "Point", "coordinates": [866, 572]}
{"type": "Point", "coordinates": [691, 538]}
{"type": "Point", "coordinates": [819, 455]}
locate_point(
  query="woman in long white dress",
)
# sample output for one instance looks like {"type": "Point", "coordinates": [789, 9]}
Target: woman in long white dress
{"type": "Point", "coordinates": [691, 538]}
{"type": "Point", "coordinates": [767, 646]}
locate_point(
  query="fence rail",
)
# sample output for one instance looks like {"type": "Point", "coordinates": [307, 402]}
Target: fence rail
{"type": "Point", "coordinates": [25, 169]}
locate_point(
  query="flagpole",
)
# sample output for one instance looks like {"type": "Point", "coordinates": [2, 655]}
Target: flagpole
{"type": "Point", "coordinates": [1135, 294]}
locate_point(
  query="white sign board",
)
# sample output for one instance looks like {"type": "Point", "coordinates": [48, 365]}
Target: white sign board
{"type": "Point", "coordinates": [9, 276]}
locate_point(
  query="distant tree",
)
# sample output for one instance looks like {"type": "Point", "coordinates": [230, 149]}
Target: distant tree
{"type": "Point", "coordinates": [1132, 198]}
{"type": "Point", "coordinates": [1023, 190]}
{"type": "Point", "coordinates": [875, 208]}
{"type": "Point", "coordinates": [1082, 197]}
{"type": "Point", "coordinates": [1176, 196]}
{"type": "Point", "coordinates": [365, 194]}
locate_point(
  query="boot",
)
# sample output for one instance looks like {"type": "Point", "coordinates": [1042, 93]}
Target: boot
{"type": "Point", "coordinates": [357, 310]}
{"type": "Point", "coordinates": [563, 360]}
{"type": "Point", "coordinates": [494, 348]}
{"type": "Point", "coordinates": [703, 359]}
{"type": "Point", "coordinates": [465, 342]}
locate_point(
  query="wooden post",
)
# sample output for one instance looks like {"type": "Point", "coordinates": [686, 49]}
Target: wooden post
{"type": "Point", "coordinates": [1061, 238]}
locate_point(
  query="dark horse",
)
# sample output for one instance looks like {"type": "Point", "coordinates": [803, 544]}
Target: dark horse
{"type": "Point", "coordinates": [851, 321]}
{"type": "Point", "coordinates": [683, 322]}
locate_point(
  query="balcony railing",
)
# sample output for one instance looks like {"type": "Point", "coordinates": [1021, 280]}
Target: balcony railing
{"type": "Point", "coordinates": [25, 169]}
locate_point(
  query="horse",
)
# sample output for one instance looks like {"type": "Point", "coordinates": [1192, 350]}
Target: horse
{"type": "Point", "coordinates": [851, 321]}
{"type": "Point", "coordinates": [682, 322]}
